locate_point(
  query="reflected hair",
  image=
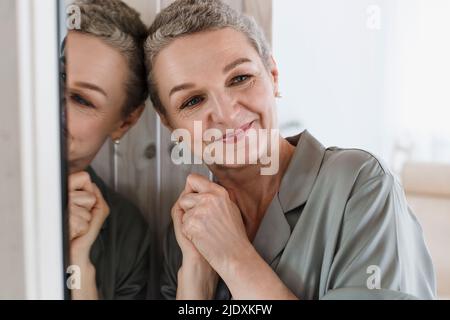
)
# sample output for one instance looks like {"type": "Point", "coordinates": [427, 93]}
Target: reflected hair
{"type": "Point", "coordinates": [121, 27]}
{"type": "Point", "coordinates": [185, 17]}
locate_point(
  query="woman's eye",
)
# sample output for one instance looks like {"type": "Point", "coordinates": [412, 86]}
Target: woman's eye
{"type": "Point", "coordinates": [81, 101]}
{"type": "Point", "coordinates": [240, 79]}
{"type": "Point", "coordinates": [192, 102]}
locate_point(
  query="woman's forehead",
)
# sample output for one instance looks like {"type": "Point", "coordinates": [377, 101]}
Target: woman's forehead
{"type": "Point", "coordinates": [205, 51]}
{"type": "Point", "coordinates": [89, 60]}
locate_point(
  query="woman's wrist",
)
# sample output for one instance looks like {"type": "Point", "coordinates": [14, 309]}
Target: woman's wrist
{"type": "Point", "coordinates": [88, 284]}
{"type": "Point", "coordinates": [230, 265]}
{"type": "Point", "coordinates": [249, 277]}
{"type": "Point", "coordinates": [80, 258]}
{"type": "Point", "coordinates": [196, 281]}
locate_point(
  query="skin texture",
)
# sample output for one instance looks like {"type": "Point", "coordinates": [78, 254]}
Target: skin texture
{"type": "Point", "coordinates": [221, 80]}
{"type": "Point", "coordinates": [95, 95]}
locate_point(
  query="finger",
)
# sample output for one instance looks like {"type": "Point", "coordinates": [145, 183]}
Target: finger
{"type": "Point", "coordinates": [80, 181]}
{"type": "Point", "coordinates": [190, 222]}
{"type": "Point", "coordinates": [82, 199]}
{"type": "Point", "coordinates": [100, 211]}
{"type": "Point", "coordinates": [188, 227]}
{"type": "Point", "coordinates": [77, 227]}
{"type": "Point", "coordinates": [176, 211]}
{"type": "Point", "coordinates": [187, 216]}
{"type": "Point", "coordinates": [189, 201]}
{"type": "Point", "coordinates": [83, 213]}
{"type": "Point", "coordinates": [99, 214]}
{"type": "Point", "coordinates": [177, 216]}
{"type": "Point", "coordinates": [198, 184]}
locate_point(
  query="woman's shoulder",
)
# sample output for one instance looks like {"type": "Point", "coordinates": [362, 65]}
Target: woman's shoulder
{"type": "Point", "coordinates": [357, 165]}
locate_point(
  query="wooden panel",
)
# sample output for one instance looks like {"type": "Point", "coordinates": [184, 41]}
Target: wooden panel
{"type": "Point", "coordinates": [136, 171]}
{"type": "Point", "coordinates": [261, 10]}
{"type": "Point", "coordinates": [131, 168]}
{"type": "Point", "coordinates": [103, 163]}
{"type": "Point", "coordinates": [147, 9]}
{"type": "Point", "coordinates": [11, 237]}
{"type": "Point", "coordinates": [137, 162]}
{"type": "Point", "coordinates": [135, 140]}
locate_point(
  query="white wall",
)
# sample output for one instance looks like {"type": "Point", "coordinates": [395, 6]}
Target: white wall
{"type": "Point", "coordinates": [371, 74]}
{"type": "Point", "coordinates": [11, 237]}
{"type": "Point", "coordinates": [423, 83]}
{"type": "Point", "coordinates": [332, 70]}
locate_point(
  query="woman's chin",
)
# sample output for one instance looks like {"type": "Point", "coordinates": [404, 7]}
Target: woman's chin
{"type": "Point", "coordinates": [77, 165]}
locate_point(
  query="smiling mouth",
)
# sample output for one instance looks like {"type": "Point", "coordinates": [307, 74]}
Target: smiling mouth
{"type": "Point", "coordinates": [234, 136]}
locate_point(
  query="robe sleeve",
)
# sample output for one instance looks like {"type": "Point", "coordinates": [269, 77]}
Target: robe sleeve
{"type": "Point", "coordinates": [381, 252]}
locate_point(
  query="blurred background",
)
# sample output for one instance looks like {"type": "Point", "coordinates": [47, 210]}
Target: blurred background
{"type": "Point", "coordinates": [369, 74]}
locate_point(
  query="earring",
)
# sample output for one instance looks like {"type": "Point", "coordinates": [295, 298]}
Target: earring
{"type": "Point", "coordinates": [278, 95]}
{"type": "Point", "coordinates": [117, 142]}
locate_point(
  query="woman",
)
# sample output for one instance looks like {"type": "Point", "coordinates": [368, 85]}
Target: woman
{"type": "Point", "coordinates": [105, 95]}
{"type": "Point", "coordinates": [329, 224]}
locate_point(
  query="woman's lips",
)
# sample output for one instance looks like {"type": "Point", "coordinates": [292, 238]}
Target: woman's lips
{"type": "Point", "coordinates": [238, 134]}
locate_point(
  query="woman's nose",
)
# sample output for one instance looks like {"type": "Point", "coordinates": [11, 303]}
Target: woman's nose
{"type": "Point", "coordinates": [224, 109]}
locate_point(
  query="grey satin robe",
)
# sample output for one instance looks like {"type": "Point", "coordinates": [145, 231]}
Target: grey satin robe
{"type": "Point", "coordinates": [339, 213]}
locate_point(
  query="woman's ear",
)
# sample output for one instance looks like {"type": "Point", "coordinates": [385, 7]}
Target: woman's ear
{"type": "Point", "coordinates": [274, 75]}
{"type": "Point", "coordinates": [128, 123]}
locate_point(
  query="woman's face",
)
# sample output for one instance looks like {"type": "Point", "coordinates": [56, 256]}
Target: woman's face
{"type": "Point", "coordinates": [219, 79]}
{"type": "Point", "coordinates": [95, 95]}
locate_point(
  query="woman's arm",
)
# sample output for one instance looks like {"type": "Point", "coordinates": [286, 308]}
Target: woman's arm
{"type": "Point", "coordinates": [197, 280]}
{"type": "Point", "coordinates": [88, 288]}
{"type": "Point", "coordinates": [87, 213]}
{"type": "Point", "coordinates": [249, 277]}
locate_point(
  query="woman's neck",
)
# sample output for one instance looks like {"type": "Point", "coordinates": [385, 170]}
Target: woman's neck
{"type": "Point", "coordinates": [251, 191]}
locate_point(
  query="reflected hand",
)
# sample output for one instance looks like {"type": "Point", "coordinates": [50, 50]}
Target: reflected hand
{"type": "Point", "coordinates": [87, 213]}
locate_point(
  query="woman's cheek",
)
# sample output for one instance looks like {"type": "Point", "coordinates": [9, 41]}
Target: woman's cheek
{"type": "Point", "coordinates": [90, 133]}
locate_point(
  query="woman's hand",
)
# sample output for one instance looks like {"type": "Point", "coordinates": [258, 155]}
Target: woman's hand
{"type": "Point", "coordinates": [87, 213]}
{"type": "Point", "coordinates": [213, 223]}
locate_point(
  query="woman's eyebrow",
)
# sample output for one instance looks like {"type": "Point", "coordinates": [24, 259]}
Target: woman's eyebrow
{"type": "Point", "coordinates": [227, 69]}
{"type": "Point", "coordinates": [181, 87]}
{"type": "Point", "coordinates": [91, 86]}
{"type": "Point", "coordinates": [235, 63]}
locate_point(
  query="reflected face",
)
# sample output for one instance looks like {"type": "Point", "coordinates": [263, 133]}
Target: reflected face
{"type": "Point", "coordinates": [219, 79]}
{"type": "Point", "coordinates": [95, 95]}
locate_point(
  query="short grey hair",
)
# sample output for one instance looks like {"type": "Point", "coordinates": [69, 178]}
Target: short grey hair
{"type": "Point", "coordinates": [121, 27]}
{"type": "Point", "coordinates": [185, 17]}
